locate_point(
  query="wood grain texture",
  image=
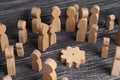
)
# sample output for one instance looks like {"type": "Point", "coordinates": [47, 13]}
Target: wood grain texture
{"type": "Point", "coordinates": [95, 68]}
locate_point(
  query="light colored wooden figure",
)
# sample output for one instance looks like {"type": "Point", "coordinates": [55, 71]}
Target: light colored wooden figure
{"type": "Point", "coordinates": [65, 78]}
{"type": "Point", "coordinates": [70, 22]}
{"type": "Point", "coordinates": [117, 40]}
{"type": "Point", "coordinates": [4, 42]}
{"type": "Point", "coordinates": [55, 20]}
{"type": "Point", "coordinates": [52, 35]}
{"type": "Point", "coordinates": [36, 61]}
{"type": "Point", "coordinates": [36, 24]}
{"type": "Point", "coordinates": [22, 31]}
{"type": "Point", "coordinates": [92, 38]}
{"type": "Point", "coordinates": [82, 25]}
{"type": "Point", "coordinates": [10, 60]}
{"type": "Point", "coordinates": [8, 77]}
{"type": "Point", "coordinates": [95, 10]}
{"type": "Point", "coordinates": [116, 63]}
{"type": "Point", "coordinates": [35, 12]}
{"type": "Point", "coordinates": [49, 67]}
{"type": "Point", "coordinates": [110, 22]}
{"type": "Point", "coordinates": [105, 47]}
{"type": "Point", "coordinates": [20, 49]}
{"type": "Point", "coordinates": [77, 14]}
{"type": "Point", "coordinates": [43, 37]}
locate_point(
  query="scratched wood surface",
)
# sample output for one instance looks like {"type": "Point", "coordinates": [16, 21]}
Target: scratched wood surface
{"type": "Point", "coordinates": [95, 68]}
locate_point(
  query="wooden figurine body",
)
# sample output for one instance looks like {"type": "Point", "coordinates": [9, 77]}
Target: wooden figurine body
{"type": "Point", "coordinates": [94, 16]}
{"type": "Point", "coordinates": [43, 38]}
{"type": "Point", "coordinates": [77, 14]}
{"type": "Point", "coordinates": [117, 40]}
{"type": "Point", "coordinates": [70, 22]}
{"type": "Point", "coordinates": [22, 31]}
{"type": "Point", "coordinates": [105, 47]}
{"type": "Point", "coordinates": [8, 77]}
{"type": "Point", "coordinates": [36, 20]}
{"type": "Point", "coordinates": [36, 61]}
{"type": "Point", "coordinates": [110, 22]}
{"type": "Point", "coordinates": [55, 20]}
{"type": "Point", "coordinates": [10, 60]}
{"type": "Point", "coordinates": [20, 49]}
{"type": "Point", "coordinates": [52, 35]}
{"type": "Point", "coordinates": [116, 63]}
{"type": "Point", "coordinates": [92, 38]}
{"type": "Point", "coordinates": [3, 38]}
{"type": "Point", "coordinates": [82, 25]}
{"type": "Point", "coordinates": [49, 67]}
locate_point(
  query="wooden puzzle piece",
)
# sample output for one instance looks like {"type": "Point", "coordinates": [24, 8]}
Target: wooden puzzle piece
{"type": "Point", "coordinates": [77, 14]}
{"type": "Point", "coordinates": [8, 77]}
{"type": "Point", "coordinates": [82, 25]}
{"type": "Point", "coordinates": [65, 78]}
{"type": "Point", "coordinates": [110, 22]}
{"type": "Point", "coordinates": [117, 40]}
{"type": "Point", "coordinates": [22, 31]}
{"type": "Point", "coordinates": [95, 15]}
{"type": "Point", "coordinates": [73, 57]}
{"type": "Point", "coordinates": [36, 61]}
{"type": "Point", "coordinates": [70, 22]}
{"type": "Point", "coordinates": [116, 63]}
{"type": "Point", "coordinates": [92, 38]}
{"type": "Point", "coordinates": [55, 20]}
{"type": "Point", "coordinates": [10, 60]}
{"type": "Point", "coordinates": [35, 12]}
{"type": "Point", "coordinates": [20, 49]}
{"type": "Point", "coordinates": [105, 47]}
{"type": "Point", "coordinates": [52, 35]}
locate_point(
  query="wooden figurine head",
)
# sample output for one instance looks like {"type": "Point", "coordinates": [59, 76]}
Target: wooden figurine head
{"type": "Point", "coordinates": [117, 53]}
{"type": "Point", "coordinates": [111, 17]}
{"type": "Point", "coordinates": [21, 24]}
{"type": "Point", "coordinates": [56, 12]}
{"type": "Point", "coordinates": [43, 28]}
{"type": "Point", "coordinates": [106, 41]}
{"type": "Point", "coordinates": [65, 78]}
{"type": "Point", "coordinates": [36, 54]}
{"type": "Point", "coordinates": [35, 12]}
{"type": "Point", "coordinates": [71, 11]}
{"type": "Point", "coordinates": [84, 13]}
{"type": "Point", "coordinates": [19, 45]}
{"type": "Point", "coordinates": [76, 6]}
{"type": "Point", "coordinates": [9, 52]}
{"type": "Point", "coordinates": [52, 29]}
{"type": "Point", "coordinates": [49, 65]}
{"type": "Point", "coordinates": [94, 28]}
{"type": "Point", "coordinates": [2, 28]}
{"type": "Point", "coordinates": [95, 9]}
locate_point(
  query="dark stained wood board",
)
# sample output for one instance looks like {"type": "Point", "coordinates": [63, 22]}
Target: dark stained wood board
{"type": "Point", "coordinates": [95, 68]}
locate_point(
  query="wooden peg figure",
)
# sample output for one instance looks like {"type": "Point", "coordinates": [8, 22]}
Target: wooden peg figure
{"type": "Point", "coordinates": [52, 35]}
{"type": "Point", "coordinates": [70, 22]}
{"type": "Point", "coordinates": [105, 47]}
{"type": "Point", "coordinates": [95, 10]}
{"type": "Point", "coordinates": [82, 25]}
{"type": "Point", "coordinates": [22, 31]}
{"type": "Point", "coordinates": [36, 61]}
{"type": "Point", "coordinates": [65, 78]}
{"type": "Point", "coordinates": [36, 20]}
{"type": "Point", "coordinates": [4, 42]}
{"type": "Point", "coordinates": [55, 20]}
{"type": "Point", "coordinates": [43, 37]}
{"type": "Point", "coordinates": [10, 60]}
{"type": "Point", "coordinates": [49, 67]}
{"type": "Point", "coordinates": [116, 63]}
{"type": "Point", "coordinates": [92, 38]}
{"type": "Point", "coordinates": [20, 49]}
{"type": "Point", "coordinates": [8, 77]}
{"type": "Point", "coordinates": [117, 40]}
{"type": "Point", "coordinates": [110, 22]}
{"type": "Point", "coordinates": [77, 14]}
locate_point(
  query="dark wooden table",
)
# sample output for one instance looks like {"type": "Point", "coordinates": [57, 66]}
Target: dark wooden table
{"type": "Point", "coordinates": [95, 68]}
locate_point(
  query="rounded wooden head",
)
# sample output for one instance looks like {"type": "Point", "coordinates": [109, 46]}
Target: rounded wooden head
{"type": "Point", "coordinates": [43, 28]}
{"type": "Point", "coordinates": [49, 65]}
{"type": "Point", "coordinates": [84, 12]}
{"type": "Point", "coordinates": [94, 27]}
{"type": "Point", "coordinates": [76, 6]}
{"type": "Point", "coordinates": [9, 51]}
{"type": "Point", "coordinates": [111, 17]}
{"type": "Point", "coordinates": [19, 45]}
{"type": "Point", "coordinates": [56, 11]}
{"type": "Point", "coordinates": [21, 24]}
{"type": "Point", "coordinates": [2, 28]}
{"type": "Point", "coordinates": [36, 54]}
{"type": "Point", "coordinates": [95, 9]}
{"type": "Point", "coordinates": [71, 11]}
{"type": "Point", "coordinates": [35, 12]}
{"type": "Point", "coordinates": [106, 41]}
{"type": "Point", "coordinates": [65, 78]}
